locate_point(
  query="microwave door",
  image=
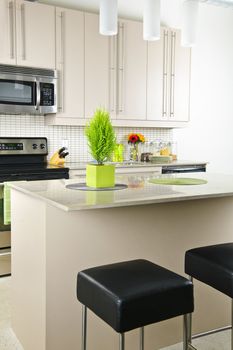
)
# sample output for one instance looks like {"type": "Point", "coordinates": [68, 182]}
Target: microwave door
{"type": "Point", "coordinates": [18, 96]}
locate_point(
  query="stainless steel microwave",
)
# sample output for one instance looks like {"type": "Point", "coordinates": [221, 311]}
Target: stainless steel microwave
{"type": "Point", "coordinates": [25, 90]}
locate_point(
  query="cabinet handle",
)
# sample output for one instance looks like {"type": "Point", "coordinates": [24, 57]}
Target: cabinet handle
{"type": "Point", "coordinates": [121, 43]}
{"type": "Point", "coordinates": [23, 31]}
{"type": "Point", "coordinates": [172, 81]}
{"type": "Point", "coordinates": [11, 29]}
{"type": "Point", "coordinates": [112, 55]}
{"type": "Point", "coordinates": [165, 74]}
{"type": "Point", "coordinates": [37, 95]}
{"type": "Point", "coordinates": [62, 64]}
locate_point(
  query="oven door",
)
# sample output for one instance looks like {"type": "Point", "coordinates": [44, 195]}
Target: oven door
{"type": "Point", "coordinates": [5, 242]}
{"type": "Point", "coordinates": [183, 169]}
{"type": "Point", "coordinates": [18, 94]}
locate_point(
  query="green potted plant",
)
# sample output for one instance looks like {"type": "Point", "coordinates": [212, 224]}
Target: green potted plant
{"type": "Point", "coordinates": [101, 141]}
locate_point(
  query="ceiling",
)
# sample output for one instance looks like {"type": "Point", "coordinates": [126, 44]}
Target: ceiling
{"type": "Point", "coordinates": [170, 9]}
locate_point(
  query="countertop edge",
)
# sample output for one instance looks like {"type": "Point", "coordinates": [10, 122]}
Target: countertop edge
{"type": "Point", "coordinates": [34, 195]}
{"type": "Point", "coordinates": [127, 203]}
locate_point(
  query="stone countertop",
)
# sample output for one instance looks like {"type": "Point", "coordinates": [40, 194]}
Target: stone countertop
{"type": "Point", "coordinates": [128, 164]}
{"type": "Point", "coordinates": [139, 191]}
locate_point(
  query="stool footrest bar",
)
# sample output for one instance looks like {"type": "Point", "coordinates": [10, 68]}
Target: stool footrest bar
{"type": "Point", "coordinates": [203, 334]}
{"type": "Point", "coordinates": [191, 347]}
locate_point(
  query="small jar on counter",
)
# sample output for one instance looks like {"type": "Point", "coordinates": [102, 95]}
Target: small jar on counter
{"type": "Point", "coordinates": [145, 150]}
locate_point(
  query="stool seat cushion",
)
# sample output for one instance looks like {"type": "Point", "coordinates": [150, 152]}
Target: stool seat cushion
{"type": "Point", "coordinates": [212, 265]}
{"type": "Point", "coordinates": [133, 294]}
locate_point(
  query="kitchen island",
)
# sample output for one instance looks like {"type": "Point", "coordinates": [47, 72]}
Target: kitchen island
{"type": "Point", "coordinates": [57, 232]}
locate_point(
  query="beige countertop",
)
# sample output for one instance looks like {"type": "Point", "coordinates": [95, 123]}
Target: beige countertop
{"type": "Point", "coordinates": [139, 191]}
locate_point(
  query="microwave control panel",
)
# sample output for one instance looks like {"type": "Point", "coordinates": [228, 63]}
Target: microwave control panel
{"type": "Point", "coordinates": [46, 94]}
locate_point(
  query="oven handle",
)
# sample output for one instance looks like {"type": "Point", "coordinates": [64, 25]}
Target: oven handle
{"type": "Point", "coordinates": [173, 170]}
{"type": "Point", "coordinates": [37, 95]}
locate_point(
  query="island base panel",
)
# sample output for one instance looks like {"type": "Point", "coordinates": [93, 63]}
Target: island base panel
{"type": "Point", "coordinates": [62, 243]}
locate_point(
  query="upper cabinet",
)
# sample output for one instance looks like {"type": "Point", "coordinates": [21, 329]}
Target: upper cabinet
{"type": "Point", "coordinates": [140, 83]}
{"type": "Point", "coordinates": [97, 68]}
{"type": "Point", "coordinates": [7, 32]}
{"type": "Point", "coordinates": [35, 24]}
{"type": "Point", "coordinates": [115, 70]}
{"type": "Point", "coordinates": [157, 76]}
{"type": "Point", "coordinates": [82, 61]}
{"type": "Point", "coordinates": [70, 63]}
{"type": "Point", "coordinates": [131, 71]}
{"type": "Point", "coordinates": [168, 84]}
{"type": "Point", "coordinates": [180, 79]}
{"type": "Point", "coordinates": [25, 39]}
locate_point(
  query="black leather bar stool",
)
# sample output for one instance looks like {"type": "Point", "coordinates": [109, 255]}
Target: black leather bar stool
{"type": "Point", "coordinates": [133, 294]}
{"type": "Point", "coordinates": [212, 265]}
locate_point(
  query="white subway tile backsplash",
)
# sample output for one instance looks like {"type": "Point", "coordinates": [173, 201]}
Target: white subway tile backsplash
{"type": "Point", "coordinates": [30, 126]}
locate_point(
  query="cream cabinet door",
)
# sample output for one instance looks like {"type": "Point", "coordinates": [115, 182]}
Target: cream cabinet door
{"type": "Point", "coordinates": [35, 34]}
{"type": "Point", "coordinates": [157, 65]}
{"type": "Point", "coordinates": [70, 62]}
{"type": "Point", "coordinates": [97, 67]}
{"type": "Point", "coordinates": [179, 78]}
{"type": "Point", "coordinates": [7, 32]}
{"type": "Point", "coordinates": [132, 64]}
{"type": "Point", "coordinates": [168, 78]}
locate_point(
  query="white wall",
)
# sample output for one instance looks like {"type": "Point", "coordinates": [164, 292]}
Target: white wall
{"type": "Point", "coordinates": [210, 133]}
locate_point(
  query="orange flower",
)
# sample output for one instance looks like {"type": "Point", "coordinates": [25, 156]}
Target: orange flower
{"type": "Point", "coordinates": [141, 137]}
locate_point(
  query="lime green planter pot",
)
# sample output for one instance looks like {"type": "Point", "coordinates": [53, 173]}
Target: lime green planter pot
{"type": "Point", "coordinates": [100, 175]}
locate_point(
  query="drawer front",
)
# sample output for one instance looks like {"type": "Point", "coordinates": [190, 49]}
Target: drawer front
{"type": "Point", "coordinates": [5, 239]}
{"type": "Point", "coordinates": [5, 262]}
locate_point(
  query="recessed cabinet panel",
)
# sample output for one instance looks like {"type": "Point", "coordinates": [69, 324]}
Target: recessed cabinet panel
{"type": "Point", "coordinates": [180, 83]}
{"type": "Point", "coordinates": [70, 62]}
{"type": "Point", "coordinates": [168, 79]}
{"type": "Point", "coordinates": [97, 70]}
{"type": "Point", "coordinates": [131, 79]}
{"type": "Point", "coordinates": [156, 78]}
{"type": "Point", "coordinates": [35, 25]}
{"type": "Point", "coordinates": [7, 32]}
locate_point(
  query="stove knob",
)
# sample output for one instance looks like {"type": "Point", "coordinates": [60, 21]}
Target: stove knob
{"type": "Point", "coordinates": [34, 146]}
{"type": "Point", "coordinates": [42, 146]}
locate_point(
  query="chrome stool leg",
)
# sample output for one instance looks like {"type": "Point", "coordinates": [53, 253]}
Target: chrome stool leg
{"type": "Point", "coordinates": [185, 333]}
{"type": "Point", "coordinates": [122, 341]}
{"type": "Point", "coordinates": [232, 324]}
{"type": "Point", "coordinates": [142, 338]}
{"type": "Point", "coordinates": [190, 321]}
{"type": "Point", "coordinates": [84, 327]}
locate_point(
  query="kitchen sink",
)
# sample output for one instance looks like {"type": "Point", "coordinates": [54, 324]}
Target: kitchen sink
{"type": "Point", "coordinates": [128, 163]}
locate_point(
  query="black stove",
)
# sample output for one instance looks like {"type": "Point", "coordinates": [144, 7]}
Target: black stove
{"type": "Point", "coordinates": [22, 159]}
{"type": "Point", "coordinates": [26, 159]}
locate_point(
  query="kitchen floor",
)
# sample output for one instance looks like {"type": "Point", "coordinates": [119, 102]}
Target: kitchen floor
{"type": "Point", "coordinates": [8, 340]}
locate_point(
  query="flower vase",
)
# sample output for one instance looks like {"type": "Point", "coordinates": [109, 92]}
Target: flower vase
{"type": "Point", "coordinates": [133, 155]}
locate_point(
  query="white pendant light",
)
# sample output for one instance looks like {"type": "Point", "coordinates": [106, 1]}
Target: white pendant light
{"type": "Point", "coordinates": [190, 16]}
{"type": "Point", "coordinates": [151, 20]}
{"type": "Point", "coordinates": [108, 17]}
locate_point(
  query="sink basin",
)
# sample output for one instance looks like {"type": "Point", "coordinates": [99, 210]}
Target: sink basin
{"type": "Point", "coordinates": [128, 163]}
